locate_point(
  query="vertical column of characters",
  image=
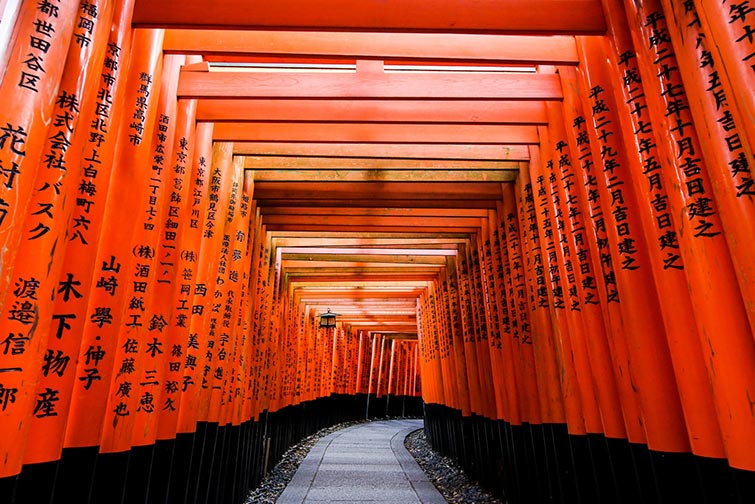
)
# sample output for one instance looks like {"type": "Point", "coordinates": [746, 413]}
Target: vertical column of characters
{"type": "Point", "coordinates": [245, 368]}
{"type": "Point", "coordinates": [495, 299]}
{"type": "Point", "coordinates": [508, 282]}
{"type": "Point", "coordinates": [216, 177]}
{"type": "Point", "coordinates": [403, 385]}
{"type": "Point", "coordinates": [308, 376]}
{"type": "Point", "coordinates": [28, 91]}
{"type": "Point", "coordinates": [393, 363]}
{"type": "Point", "coordinates": [193, 149]}
{"type": "Point", "coordinates": [643, 321]}
{"type": "Point", "coordinates": [318, 358]}
{"type": "Point", "coordinates": [595, 257]}
{"type": "Point", "coordinates": [355, 355]}
{"type": "Point", "coordinates": [438, 329]}
{"type": "Point", "coordinates": [416, 386]}
{"type": "Point", "coordinates": [429, 393]}
{"type": "Point", "coordinates": [233, 322]}
{"type": "Point", "coordinates": [136, 389]}
{"type": "Point", "coordinates": [440, 326]}
{"type": "Point", "coordinates": [359, 377]}
{"type": "Point", "coordinates": [546, 360]}
{"type": "Point", "coordinates": [584, 286]}
{"type": "Point", "coordinates": [370, 362]}
{"type": "Point", "coordinates": [237, 222]}
{"type": "Point", "coordinates": [663, 243]}
{"type": "Point", "coordinates": [265, 333]}
{"type": "Point", "coordinates": [461, 313]}
{"type": "Point", "coordinates": [400, 371]}
{"type": "Point", "coordinates": [484, 322]}
{"type": "Point", "coordinates": [292, 364]}
{"type": "Point", "coordinates": [729, 24]}
{"type": "Point", "coordinates": [346, 359]}
{"type": "Point", "coordinates": [562, 320]}
{"type": "Point", "coordinates": [215, 357]}
{"type": "Point", "coordinates": [726, 341]}
{"type": "Point", "coordinates": [131, 169]}
{"type": "Point", "coordinates": [725, 146]}
{"type": "Point", "coordinates": [578, 372]}
{"type": "Point", "coordinates": [450, 309]}
{"type": "Point", "coordinates": [346, 356]}
{"type": "Point", "coordinates": [28, 316]}
{"type": "Point", "coordinates": [255, 359]}
{"type": "Point", "coordinates": [276, 350]}
{"type": "Point", "coordinates": [428, 348]}
{"type": "Point", "coordinates": [516, 315]}
{"type": "Point", "coordinates": [110, 31]}
{"type": "Point", "coordinates": [173, 252]}
{"type": "Point", "coordinates": [533, 384]}
{"type": "Point", "coordinates": [289, 358]}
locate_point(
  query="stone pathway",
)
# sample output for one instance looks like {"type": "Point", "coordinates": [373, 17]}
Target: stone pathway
{"type": "Point", "coordinates": [365, 463]}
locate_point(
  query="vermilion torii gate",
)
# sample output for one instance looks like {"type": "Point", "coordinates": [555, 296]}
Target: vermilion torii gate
{"type": "Point", "coordinates": [535, 221]}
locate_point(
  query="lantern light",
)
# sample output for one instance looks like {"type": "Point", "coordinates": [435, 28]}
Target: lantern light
{"type": "Point", "coordinates": [328, 319]}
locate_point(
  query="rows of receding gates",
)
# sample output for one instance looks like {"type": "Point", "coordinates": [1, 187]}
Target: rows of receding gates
{"type": "Point", "coordinates": [574, 320]}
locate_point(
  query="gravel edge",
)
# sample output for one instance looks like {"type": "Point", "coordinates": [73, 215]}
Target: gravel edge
{"type": "Point", "coordinates": [450, 480]}
{"type": "Point", "coordinates": [275, 482]}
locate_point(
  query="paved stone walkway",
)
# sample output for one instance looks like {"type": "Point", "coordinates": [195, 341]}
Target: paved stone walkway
{"type": "Point", "coordinates": [363, 463]}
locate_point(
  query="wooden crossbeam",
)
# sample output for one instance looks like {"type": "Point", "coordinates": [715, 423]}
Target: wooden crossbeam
{"type": "Point", "coordinates": [384, 211]}
{"type": "Point", "coordinates": [353, 220]}
{"type": "Point", "coordinates": [318, 228]}
{"type": "Point", "coordinates": [385, 151]}
{"type": "Point", "coordinates": [438, 192]}
{"type": "Point", "coordinates": [441, 16]}
{"type": "Point", "coordinates": [370, 85]}
{"type": "Point", "coordinates": [413, 111]}
{"type": "Point", "coordinates": [436, 47]}
{"type": "Point", "coordinates": [354, 163]}
{"type": "Point", "coordinates": [387, 175]}
{"type": "Point", "coordinates": [374, 133]}
{"type": "Point", "coordinates": [363, 202]}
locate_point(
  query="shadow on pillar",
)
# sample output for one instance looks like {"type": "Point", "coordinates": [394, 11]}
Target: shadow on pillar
{"type": "Point", "coordinates": [530, 463]}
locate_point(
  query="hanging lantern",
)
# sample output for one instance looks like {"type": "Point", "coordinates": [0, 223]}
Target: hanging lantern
{"type": "Point", "coordinates": [328, 319]}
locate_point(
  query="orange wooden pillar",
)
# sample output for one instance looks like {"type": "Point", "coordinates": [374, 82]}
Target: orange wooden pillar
{"type": "Point", "coordinates": [724, 141]}
{"type": "Point", "coordinates": [176, 241]}
{"type": "Point", "coordinates": [515, 309]}
{"type": "Point", "coordinates": [599, 278]}
{"type": "Point", "coordinates": [592, 354]}
{"type": "Point", "coordinates": [112, 276]}
{"type": "Point", "coordinates": [466, 395]}
{"type": "Point", "coordinates": [485, 323]}
{"type": "Point", "coordinates": [495, 299]}
{"type": "Point", "coordinates": [728, 29]}
{"type": "Point", "coordinates": [665, 261]}
{"type": "Point", "coordinates": [727, 342]}
{"type": "Point", "coordinates": [221, 330]}
{"type": "Point", "coordinates": [644, 330]}
{"type": "Point", "coordinates": [461, 312]}
{"type": "Point", "coordinates": [140, 346]}
{"type": "Point", "coordinates": [531, 392]}
{"type": "Point", "coordinates": [30, 314]}
{"type": "Point", "coordinates": [192, 215]}
{"type": "Point", "coordinates": [541, 342]}
{"type": "Point", "coordinates": [564, 322]}
{"type": "Point", "coordinates": [220, 176]}
{"type": "Point", "coordinates": [28, 89]}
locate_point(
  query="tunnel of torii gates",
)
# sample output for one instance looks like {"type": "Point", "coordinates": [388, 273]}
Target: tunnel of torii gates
{"type": "Point", "coordinates": [533, 219]}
